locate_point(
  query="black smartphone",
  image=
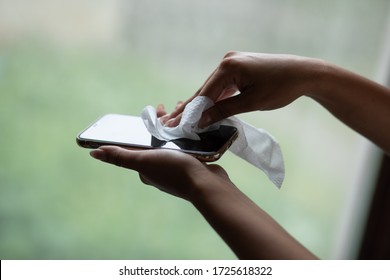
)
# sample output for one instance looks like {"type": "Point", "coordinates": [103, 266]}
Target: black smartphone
{"type": "Point", "coordinates": [130, 132]}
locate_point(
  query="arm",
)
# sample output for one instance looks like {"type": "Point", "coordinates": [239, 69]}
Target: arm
{"type": "Point", "coordinates": [267, 82]}
{"type": "Point", "coordinates": [358, 102]}
{"type": "Point", "coordinates": [247, 230]}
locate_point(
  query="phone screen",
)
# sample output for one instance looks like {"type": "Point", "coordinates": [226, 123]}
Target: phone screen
{"type": "Point", "coordinates": [130, 131]}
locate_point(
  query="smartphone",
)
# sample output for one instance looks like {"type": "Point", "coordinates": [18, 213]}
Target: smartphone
{"type": "Point", "coordinates": [130, 132]}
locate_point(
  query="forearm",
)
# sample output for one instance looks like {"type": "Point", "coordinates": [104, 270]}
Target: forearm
{"type": "Point", "coordinates": [358, 102]}
{"type": "Point", "coordinates": [248, 230]}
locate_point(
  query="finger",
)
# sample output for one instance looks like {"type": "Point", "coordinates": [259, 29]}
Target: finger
{"type": "Point", "coordinates": [174, 122]}
{"type": "Point", "coordinates": [213, 87]}
{"type": "Point", "coordinates": [224, 109]}
{"type": "Point", "coordinates": [180, 109]}
{"type": "Point", "coordinates": [118, 156]}
{"type": "Point", "coordinates": [173, 119]}
{"type": "Point", "coordinates": [179, 104]}
{"type": "Point", "coordinates": [160, 110]}
{"type": "Point", "coordinates": [163, 119]}
{"type": "Point", "coordinates": [217, 115]}
{"type": "Point", "coordinates": [218, 84]}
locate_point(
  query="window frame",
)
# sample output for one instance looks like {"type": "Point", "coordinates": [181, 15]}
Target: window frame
{"type": "Point", "coordinates": [376, 238]}
{"type": "Point", "coordinates": [375, 242]}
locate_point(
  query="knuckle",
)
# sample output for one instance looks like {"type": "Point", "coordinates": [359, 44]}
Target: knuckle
{"type": "Point", "coordinates": [232, 64]}
{"type": "Point", "coordinates": [228, 63]}
{"type": "Point", "coordinates": [230, 54]}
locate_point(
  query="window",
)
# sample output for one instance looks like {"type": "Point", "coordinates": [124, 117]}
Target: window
{"type": "Point", "coordinates": [64, 63]}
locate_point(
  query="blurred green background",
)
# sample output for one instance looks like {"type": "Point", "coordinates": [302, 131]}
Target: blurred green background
{"type": "Point", "coordinates": [65, 63]}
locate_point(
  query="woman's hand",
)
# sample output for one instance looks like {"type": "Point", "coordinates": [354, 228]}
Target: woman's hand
{"type": "Point", "coordinates": [173, 172]}
{"type": "Point", "coordinates": [264, 82]}
{"type": "Point", "coordinates": [170, 171]}
{"type": "Point", "coordinates": [248, 230]}
{"type": "Point", "coordinates": [267, 82]}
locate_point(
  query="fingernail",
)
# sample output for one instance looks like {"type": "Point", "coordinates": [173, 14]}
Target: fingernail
{"type": "Point", "coordinates": [164, 119]}
{"type": "Point", "coordinates": [172, 122]}
{"type": "Point", "coordinates": [168, 123]}
{"type": "Point", "coordinates": [179, 104]}
{"type": "Point", "coordinates": [98, 154]}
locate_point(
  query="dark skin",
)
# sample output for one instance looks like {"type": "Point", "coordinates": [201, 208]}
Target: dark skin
{"type": "Point", "coordinates": [263, 82]}
{"type": "Point", "coordinates": [268, 82]}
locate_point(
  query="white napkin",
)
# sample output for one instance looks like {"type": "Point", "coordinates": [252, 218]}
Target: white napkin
{"type": "Point", "coordinates": [254, 145]}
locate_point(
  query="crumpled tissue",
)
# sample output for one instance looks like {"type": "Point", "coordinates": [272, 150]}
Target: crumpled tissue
{"type": "Point", "coordinates": [254, 145]}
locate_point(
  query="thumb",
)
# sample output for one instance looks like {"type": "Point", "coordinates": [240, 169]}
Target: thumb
{"type": "Point", "coordinates": [117, 156]}
{"type": "Point", "coordinates": [222, 110]}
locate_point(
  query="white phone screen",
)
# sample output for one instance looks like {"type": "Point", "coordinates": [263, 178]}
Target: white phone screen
{"type": "Point", "coordinates": [130, 131]}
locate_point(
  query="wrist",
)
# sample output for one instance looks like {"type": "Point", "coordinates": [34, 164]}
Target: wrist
{"type": "Point", "coordinates": [317, 72]}
{"type": "Point", "coordinates": [208, 190]}
{"type": "Point", "coordinates": [328, 82]}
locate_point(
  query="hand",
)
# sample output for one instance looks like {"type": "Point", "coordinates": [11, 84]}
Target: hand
{"type": "Point", "coordinates": [173, 172]}
{"type": "Point", "coordinates": [170, 171]}
{"type": "Point", "coordinates": [232, 214]}
{"type": "Point", "coordinates": [264, 82]}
